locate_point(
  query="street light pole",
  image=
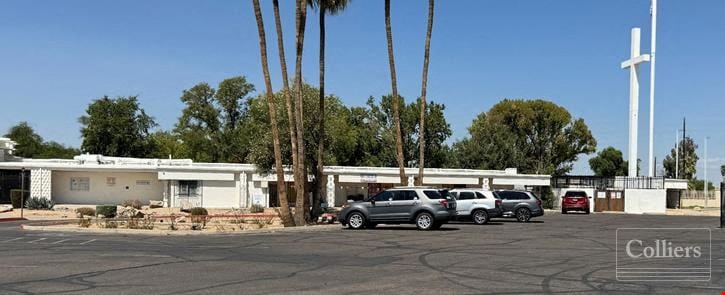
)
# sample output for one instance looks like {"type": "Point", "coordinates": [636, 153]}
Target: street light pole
{"type": "Point", "coordinates": [705, 180]}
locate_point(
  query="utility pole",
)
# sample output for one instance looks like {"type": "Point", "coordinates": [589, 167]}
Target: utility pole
{"type": "Point", "coordinates": [677, 154]}
{"type": "Point", "coordinates": [653, 46]}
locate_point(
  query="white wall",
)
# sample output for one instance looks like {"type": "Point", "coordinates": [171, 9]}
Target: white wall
{"type": "Point", "coordinates": [219, 194]}
{"type": "Point", "coordinates": [100, 192]}
{"type": "Point", "coordinates": [645, 201]}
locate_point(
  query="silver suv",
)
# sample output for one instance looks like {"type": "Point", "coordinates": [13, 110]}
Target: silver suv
{"type": "Point", "coordinates": [522, 205]}
{"type": "Point", "coordinates": [426, 207]}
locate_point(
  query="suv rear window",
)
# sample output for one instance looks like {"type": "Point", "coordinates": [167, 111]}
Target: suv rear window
{"type": "Point", "coordinates": [575, 194]}
{"type": "Point", "coordinates": [431, 194]}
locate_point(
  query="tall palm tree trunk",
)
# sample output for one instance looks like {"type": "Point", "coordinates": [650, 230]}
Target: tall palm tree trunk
{"type": "Point", "coordinates": [301, 179]}
{"type": "Point", "coordinates": [321, 145]}
{"type": "Point", "coordinates": [424, 86]}
{"type": "Point", "coordinates": [281, 187]}
{"type": "Point", "coordinates": [285, 82]}
{"type": "Point", "coordinates": [396, 101]}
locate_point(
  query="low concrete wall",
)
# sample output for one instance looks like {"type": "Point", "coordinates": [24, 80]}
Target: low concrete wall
{"type": "Point", "coordinates": [711, 203]}
{"type": "Point", "coordinates": [645, 201]}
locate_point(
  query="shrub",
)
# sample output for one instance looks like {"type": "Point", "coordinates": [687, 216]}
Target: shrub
{"type": "Point", "coordinates": [199, 217]}
{"type": "Point", "coordinates": [84, 222]}
{"type": "Point", "coordinates": [108, 211]}
{"type": "Point", "coordinates": [16, 197]}
{"type": "Point", "coordinates": [39, 203]}
{"type": "Point", "coordinates": [86, 211]}
{"type": "Point", "coordinates": [198, 211]}
{"type": "Point", "coordinates": [256, 208]}
{"type": "Point", "coordinates": [136, 204]}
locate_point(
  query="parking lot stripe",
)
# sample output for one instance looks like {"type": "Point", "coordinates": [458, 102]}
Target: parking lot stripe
{"type": "Point", "coordinates": [60, 241]}
{"type": "Point", "coordinates": [86, 242]}
{"type": "Point", "coordinates": [38, 240]}
{"type": "Point", "coordinates": [10, 240]}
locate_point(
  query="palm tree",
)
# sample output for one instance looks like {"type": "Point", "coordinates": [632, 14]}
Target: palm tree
{"type": "Point", "coordinates": [426, 56]}
{"type": "Point", "coordinates": [333, 7]}
{"type": "Point", "coordinates": [285, 84]}
{"type": "Point", "coordinates": [300, 171]}
{"type": "Point", "coordinates": [281, 187]}
{"type": "Point", "coordinates": [396, 100]}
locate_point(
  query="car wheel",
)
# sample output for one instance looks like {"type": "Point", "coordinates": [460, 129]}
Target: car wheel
{"type": "Point", "coordinates": [586, 211]}
{"type": "Point", "coordinates": [480, 216]}
{"type": "Point", "coordinates": [424, 221]}
{"type": "Point", "coordinates": [563, 211]}
{"type": "Point", "coordinates": [356, 220]}
{"type": "Point", "coordinates": [371, 225]}
{"type": "Point", "coordinates": [523, 215]}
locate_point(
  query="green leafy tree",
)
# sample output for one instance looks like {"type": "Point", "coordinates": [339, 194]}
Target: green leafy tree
{"type": "Point", "coordinates": [688, 160]}
{"type": "Point", "coordinates": [536, 136]}
{"type": "Point", "coordinates": [117, 127]}
{"type": "Point", "coordinates": [29, 143]}
{"type": "Point", "coordinates": [608, 163]}
{"type": "Point", "coordinates": [437, 131]}
{"type": "Point", "coordinates": [211, 125]}
{"type": "Point", "coordinates": [699, 185]}
{"type": "Point", "coordinates": [32, 145]}
{"type": "Point", "coordinates": [167, 145]}
{"type": "Point", "coordinates": [55, 150]}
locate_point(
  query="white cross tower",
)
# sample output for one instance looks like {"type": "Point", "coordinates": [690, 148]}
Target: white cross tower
{"type": "Point", "coordinates": [633, 64]}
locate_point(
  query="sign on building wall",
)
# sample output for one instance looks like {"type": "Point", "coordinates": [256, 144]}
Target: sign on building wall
{"type": "Point", "coordinates": [110, 181]}
{"type": "Point", "coordinates": [258, 199]}
{"type": "Point", "coordinates": [370, 178]}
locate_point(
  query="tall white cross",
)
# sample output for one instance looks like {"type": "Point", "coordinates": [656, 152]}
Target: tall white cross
{"type": "Point", "coordinates": [633, 64]}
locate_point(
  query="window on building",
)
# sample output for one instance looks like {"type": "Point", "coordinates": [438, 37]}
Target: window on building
{"type": "Point", "coordinates": [80, 184]}
{"type": "Point", "coordinates": [188, 188]}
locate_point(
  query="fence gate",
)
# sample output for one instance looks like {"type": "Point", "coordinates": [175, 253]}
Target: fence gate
{"type": "Point", "coordinates": [609, 200]}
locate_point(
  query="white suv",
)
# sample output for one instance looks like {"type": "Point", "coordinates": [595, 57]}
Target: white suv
{"type": "Point", "coordinates": [477, 205]}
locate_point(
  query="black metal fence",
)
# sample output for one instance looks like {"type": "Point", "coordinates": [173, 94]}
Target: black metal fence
{"type": "Point", "coordinates": [598, 182]}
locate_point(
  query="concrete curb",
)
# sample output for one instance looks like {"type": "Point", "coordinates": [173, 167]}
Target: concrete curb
{"type": "Point", "coordinates": [124, 231]}
{"type": "Point", "coordinates": [12, 219]}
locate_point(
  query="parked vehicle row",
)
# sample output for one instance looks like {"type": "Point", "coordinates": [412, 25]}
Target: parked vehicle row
{"type": "Point", "coordinates": [430, 208]}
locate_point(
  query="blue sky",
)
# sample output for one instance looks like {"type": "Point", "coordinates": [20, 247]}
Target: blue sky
{"type": "Point", "coordinates": [56, 56]}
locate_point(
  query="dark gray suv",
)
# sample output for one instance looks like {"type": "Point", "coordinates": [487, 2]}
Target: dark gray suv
{"type": "Point", "coordinates": [426, 207]}
{"type": "Point", "coordinates": [522, 205]}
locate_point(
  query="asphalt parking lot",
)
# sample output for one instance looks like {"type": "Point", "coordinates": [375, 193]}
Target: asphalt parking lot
{"type": "Point", "coordinates": [553, 254]}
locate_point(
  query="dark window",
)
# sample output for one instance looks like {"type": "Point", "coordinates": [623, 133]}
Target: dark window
{"type": "Point", "coordinates": [431, 194]}
{"type": "Point", "coordinates": [188, 188]}
{"type": "Point", "coordinates": [466, 196]}
{"type": "Point", "coordinates": [575, 194]}
{"type": "Point", "coordinates": [505, 195]}
{"type": "Point", "coordinates": [480, 196]}
{"type": "Point", "coordinates": [521, 196]}
{"type": "Point", "coordinates": [384, 196]}
{"type": "Point", "coordinates": [405, 196]}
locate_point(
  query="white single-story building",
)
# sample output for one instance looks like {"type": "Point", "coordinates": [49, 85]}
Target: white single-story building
{"type": "Point", "coordinates": [97, 179]}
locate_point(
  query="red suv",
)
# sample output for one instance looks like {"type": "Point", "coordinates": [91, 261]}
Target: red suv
{"type": "Point", "coordinates": [575, 200]}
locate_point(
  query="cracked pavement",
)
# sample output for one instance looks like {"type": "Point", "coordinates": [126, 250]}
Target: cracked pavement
{"type": "Point", "coordinates": [553, 254]}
